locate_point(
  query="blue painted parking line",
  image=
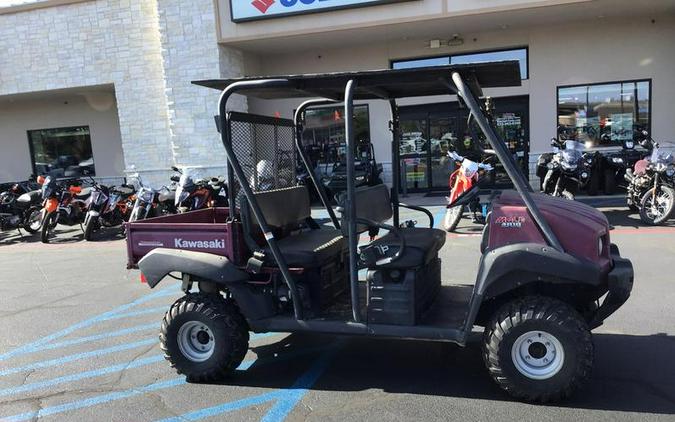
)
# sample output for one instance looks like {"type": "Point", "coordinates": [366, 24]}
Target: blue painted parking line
{"type": "Point", "coordinates": [81, 375]}
{"type": "Point", "coordinates": [136, 391]}
{"type": "Point", "coordinates": [88, 339]}
{"type": "Point", "coordinates": [86, 323]}
{"type": "Point", "coordinates": [285, 399]}
{"type": "Point", "coordinates": [78, 356]}
{"type": "Point", "coordinates": [147, 311]}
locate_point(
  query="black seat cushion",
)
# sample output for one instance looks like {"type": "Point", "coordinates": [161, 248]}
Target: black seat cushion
{"type": "Point", "coordinates": [309, 249]}
{"type": "Point", "coordinates": [422, 245]}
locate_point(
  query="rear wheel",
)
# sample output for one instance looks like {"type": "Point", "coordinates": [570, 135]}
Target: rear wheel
{"type": "Point", "coordinates": [656, 208]}
{"type": "Point", "coordinates": [204, 337]}
{"type": "Point", "coordinates": [538, 349]}
{"type": "Point", "coordinates": [452, 217]}
{"type": "Point", "coordinates": [48, 225]}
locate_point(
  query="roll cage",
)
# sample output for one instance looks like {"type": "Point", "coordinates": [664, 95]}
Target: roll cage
{"type": "Point", "coordinates": [465, 81]}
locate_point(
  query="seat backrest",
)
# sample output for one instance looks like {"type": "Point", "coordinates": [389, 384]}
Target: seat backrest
{"type": "Point", "coordinates": [284, 207]}
{"type": "Point", "coordinates": [372, 203]}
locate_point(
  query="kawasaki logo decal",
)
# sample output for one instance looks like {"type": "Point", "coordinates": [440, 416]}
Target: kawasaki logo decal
{"type": "Point", "coordinates": [199, 244]}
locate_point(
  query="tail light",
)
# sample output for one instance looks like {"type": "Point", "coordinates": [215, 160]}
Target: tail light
{"type": "Point", "coordinates": [143, 279]}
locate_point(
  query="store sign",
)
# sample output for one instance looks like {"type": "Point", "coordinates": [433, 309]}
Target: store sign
{"type": "Point", "coordinates": [247, 10]}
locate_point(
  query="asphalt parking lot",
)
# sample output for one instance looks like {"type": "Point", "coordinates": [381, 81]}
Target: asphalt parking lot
{"type": "Point", "coordinates": [78, 342]}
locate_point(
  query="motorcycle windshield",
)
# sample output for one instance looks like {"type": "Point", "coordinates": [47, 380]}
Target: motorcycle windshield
{"type": "Point", "coordinates": [185, 186]}
{"type": "Point", "coordinates": [47, 187]}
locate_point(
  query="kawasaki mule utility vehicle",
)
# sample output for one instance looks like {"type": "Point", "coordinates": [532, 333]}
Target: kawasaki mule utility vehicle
{"type": "Point", "coordinates": [548, 272]}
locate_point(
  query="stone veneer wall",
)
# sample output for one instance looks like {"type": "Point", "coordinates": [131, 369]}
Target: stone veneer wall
{"type": "Point", "coordinates": [149, 50]}
{"type": "Point", "coordinates": [191, 52]}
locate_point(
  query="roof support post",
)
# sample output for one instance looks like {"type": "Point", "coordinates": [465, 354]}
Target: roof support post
{"type": "Point", "coordinates": [226, 139]}
{"type": "Point", "coordinates": [395, 159]}
{"type": "Point", "coordinates": [506, 159]}
{"type": "Point", "coordinates": [299, 127]}
{"type": "Point", "coordinates": [350, 206]}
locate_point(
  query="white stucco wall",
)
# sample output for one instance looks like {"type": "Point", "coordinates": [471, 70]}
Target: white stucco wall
{"type": "Point", "coordinates": [19, 116]}
{"type": "Point", "coordinates": [594, 51]}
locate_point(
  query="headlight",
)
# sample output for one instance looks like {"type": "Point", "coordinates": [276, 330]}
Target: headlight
{"type": "Point", "coordinates": [589, 161]}
{"type": "Point", "coordinates": [617, 160]}
{"type": "Point", "coordinates": [584, 175]}
{"type": "Point", "coordinates": [146, 195]}
{"type": "Point", "coordinates": [360, 178]}
{"type": "Point", "coordinates": [670, 171]}
{"type": "Point", "coordinates": [630, 145]}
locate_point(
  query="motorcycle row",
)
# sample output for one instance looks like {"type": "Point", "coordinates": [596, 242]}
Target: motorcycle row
{"type": "Point", "coordinates": [43, 205]}
{"type": "Point", "coordinates": [648, 177]}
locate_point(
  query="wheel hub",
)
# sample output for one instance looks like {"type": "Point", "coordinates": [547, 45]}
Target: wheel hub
{"type": "Point", "coordinates": [538, 355]}
{"type": "Point", "coordinates": [196, 341]}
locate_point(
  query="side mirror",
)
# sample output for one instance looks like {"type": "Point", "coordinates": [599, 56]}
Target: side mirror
{"type": "Point", "coordinates": [174, 168]}
{"type": "Point", "coordinates": [554, 142]}
{"type": "Point", "coordinates": [175, 178]}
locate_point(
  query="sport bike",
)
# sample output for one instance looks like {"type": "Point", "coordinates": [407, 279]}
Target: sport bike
{"type": "Point", "coordinates": [107, 207]}
{"type": "Point", "coordinates": [65, 203]}
{"type": "Point", "coordinates": [20, 208]}
{"type": "Point", "coordinates": [464, 187]}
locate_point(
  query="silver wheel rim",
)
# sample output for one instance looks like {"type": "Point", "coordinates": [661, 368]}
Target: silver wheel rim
{"type": "Point", "coordinates": [538, 355]}
{"type": "Point", "coordinates": [35, 220]}
{"type": "Point", "coordinates": [196, 341]}
{"type": "Point", "coordinates": [657, 205]}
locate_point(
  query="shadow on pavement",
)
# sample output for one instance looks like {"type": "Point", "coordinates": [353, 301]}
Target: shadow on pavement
{"type": "Point", "coordinates": [632, 373]}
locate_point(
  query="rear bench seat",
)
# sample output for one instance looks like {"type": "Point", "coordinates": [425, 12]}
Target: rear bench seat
{"type": "Point", "coordinates": [285, 211]}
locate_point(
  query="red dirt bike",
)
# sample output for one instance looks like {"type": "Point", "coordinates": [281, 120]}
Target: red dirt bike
{"type": "Point", "coordinates": [464, 187]}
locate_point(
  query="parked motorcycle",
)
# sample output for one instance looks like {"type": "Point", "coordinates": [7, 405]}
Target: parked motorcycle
{"type": "Point", "coordinates": [65, 203]}
{"type": "Point", "coordinates": [616, 165]}
{"type": "Point", "coordinates": [652, 186]}
{"type": "Point", "coordinates": [151, 202]}
{"type": "Point", "coordinates": [194, 195]}
{"type": "Point", "coordinates": [464, 187]}
{"type": "Point", "coordinates": [20, 208]}
{"type": "Point", "coordinates": [569, 169]}
{"type": "Point", "coordinates": [107, 207]}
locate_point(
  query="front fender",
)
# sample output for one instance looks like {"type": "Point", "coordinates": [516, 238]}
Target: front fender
{"type": "Point", "coordinates": [205, 266]}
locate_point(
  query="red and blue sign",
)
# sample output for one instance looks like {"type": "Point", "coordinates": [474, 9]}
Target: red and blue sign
{"type": "Point", "coordinates": [246, 10]}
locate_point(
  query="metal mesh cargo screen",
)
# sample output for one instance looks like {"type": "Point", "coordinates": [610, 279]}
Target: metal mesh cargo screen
{"type": "Point", "coordinates": [265, 148]}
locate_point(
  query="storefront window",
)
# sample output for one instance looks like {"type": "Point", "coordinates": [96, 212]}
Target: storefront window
{"type": "Point", "coordinates": [519, 54]}
{"type": "Point", "coordinates": [324, 136]}
{"type": "Point", "coordinates": [604, 114]}
{"type": "Point", "coordinates": [61, 152]}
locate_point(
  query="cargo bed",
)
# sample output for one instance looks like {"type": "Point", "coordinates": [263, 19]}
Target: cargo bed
{"type": "Point", "coordinates": [208, 230]}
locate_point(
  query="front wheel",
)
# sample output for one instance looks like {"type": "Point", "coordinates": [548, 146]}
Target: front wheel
{"type": "Point", "coordinates": [204, 337]}
{"type": "Point", "coordinates": [89, 228]}
{"type": "Point", "coordinates": [656, 208]}
{"type": "Point", "coordinates": [538, 349]}
{"type": "Point", "coordinates": [452, 217]}
{"type": "Point", "coordinates": [34, 220]}
{"type": "Point", "coordinates": [48, 225]}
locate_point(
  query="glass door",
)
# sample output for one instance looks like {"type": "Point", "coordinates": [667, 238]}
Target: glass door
{"type": "Point", "coordinates": [414, 155]}
{"type": "Point", "coordinates": [443, 134]}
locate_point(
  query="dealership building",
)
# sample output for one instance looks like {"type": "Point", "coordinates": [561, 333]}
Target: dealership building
{"type": "Point", "coordinates": [104, 85]}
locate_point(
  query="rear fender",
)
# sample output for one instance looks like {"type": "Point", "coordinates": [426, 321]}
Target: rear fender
{"type": "Point", "coordinates": [205, 266]}
{"type": "Point", "coordinates": [208, 269]}
{"type": "Point", "coordinates": [505, 269]}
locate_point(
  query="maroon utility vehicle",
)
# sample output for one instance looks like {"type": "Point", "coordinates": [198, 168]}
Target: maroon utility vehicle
{"type": "Point", "coordinates": [548, 272]}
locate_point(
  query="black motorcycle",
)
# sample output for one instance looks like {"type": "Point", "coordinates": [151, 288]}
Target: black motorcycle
{"type": "Point", "coordinates": [652, 186]}
{"type": "Point", "coordinates": [367, 171]}
{"type": "Point", "coordinates": [569, 169]}
{"type": "Point", "coordinates": [194, 194]}
{"type": "Point", "coordinates": [107, 207]}
{"type": "Point", "coordinates": [616, 165]}
{"type": "Point", "coordinates": [20, 208]}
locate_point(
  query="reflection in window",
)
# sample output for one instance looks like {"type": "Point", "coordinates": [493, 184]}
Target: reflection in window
{"type": "Point", "coordinates": [62, 152]}
{"type": "Point", "coordinates": [324, 132]}
{"type": "Point", "coordinates": [519, 54]}
{"type": "Point", "coordinates": [604, 114]}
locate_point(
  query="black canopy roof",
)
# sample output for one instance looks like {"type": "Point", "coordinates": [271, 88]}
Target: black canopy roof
{"type": "Point", "coordinates": [382, 84]}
